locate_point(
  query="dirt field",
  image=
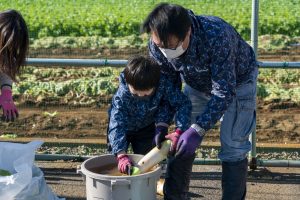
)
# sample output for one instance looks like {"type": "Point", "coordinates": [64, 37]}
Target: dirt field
{"type": "Point", "coordinates": [291, 54]}
{"type": "Point", "coordinates": [276, 123]}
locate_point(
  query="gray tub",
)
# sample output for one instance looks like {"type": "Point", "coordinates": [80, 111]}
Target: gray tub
{"type": "Point", "coordinates": [106, 187]}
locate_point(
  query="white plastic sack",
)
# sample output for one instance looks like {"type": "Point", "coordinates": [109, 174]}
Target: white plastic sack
{"type": "Point", "coordinates": [18, 159]}
{"type": "Point", "coordinates": [37, 188]}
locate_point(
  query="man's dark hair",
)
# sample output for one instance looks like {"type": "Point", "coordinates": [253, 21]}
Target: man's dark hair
{"type": "Point", "coordinates": [142, 73]}
{"type": "Point", "coordinates": [14, 42]}
{"type": "Point", "coordinates": [168, 19]}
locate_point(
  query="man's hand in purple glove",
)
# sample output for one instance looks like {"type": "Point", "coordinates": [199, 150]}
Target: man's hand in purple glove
{"type": "Point", "coordinates": [188, 143]}
{"type": "Point", "coordinates": [174, 137]}
{"type": "Point", "coordinates": [160, 133]}
{"type": "Point", "coordinates": [124, 163]}
{"type": "Point", "coordinates": [10, 112]}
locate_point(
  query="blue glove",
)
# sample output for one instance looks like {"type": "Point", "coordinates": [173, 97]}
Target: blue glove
{"type": "Point", "coordinates": [160, 133]}
{"type": "Point", "coordinates": [188, 143]}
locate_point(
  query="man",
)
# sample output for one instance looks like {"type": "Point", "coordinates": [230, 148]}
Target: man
{"type": "Point", "coordinates": [220, 74]}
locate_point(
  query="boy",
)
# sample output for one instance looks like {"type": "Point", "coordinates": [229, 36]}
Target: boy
{"type": "Point", "coordinates": [142, 110]}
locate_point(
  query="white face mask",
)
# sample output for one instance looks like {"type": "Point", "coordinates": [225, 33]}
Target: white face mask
{"type": "Point", "coordinates": [172, 53]}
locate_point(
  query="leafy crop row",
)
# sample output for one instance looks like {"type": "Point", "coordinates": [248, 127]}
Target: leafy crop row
{"type": "Point", "coordinates": [118, 18]}
{"type": "Point", "coordinates": [89, 86]}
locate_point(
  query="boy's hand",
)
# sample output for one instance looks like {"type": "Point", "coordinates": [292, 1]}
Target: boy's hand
{"type": "Point", "coordinates": [124, 163]}
{"type": "Point", "coordinates": [10, 112]}
{"type": "Point", "coordinates": [174, 137]}
{"type": "Point", "coordinates": [160, 133]}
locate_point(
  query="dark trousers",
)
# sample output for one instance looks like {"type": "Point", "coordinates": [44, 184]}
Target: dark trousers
{"type": "Point", "coordinates": [177, 179]}
{"type": "Point", "coordinates": [142, 140]}
{"type": "Point", "coordinates": [234, 178]}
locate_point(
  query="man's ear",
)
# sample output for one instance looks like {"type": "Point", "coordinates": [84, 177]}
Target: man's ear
{"type": "Point", "coordinates": [190, 31]}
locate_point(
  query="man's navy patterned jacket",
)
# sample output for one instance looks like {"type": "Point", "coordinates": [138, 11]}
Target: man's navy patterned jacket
{"type": "Point", "coordinates": [215, 63]}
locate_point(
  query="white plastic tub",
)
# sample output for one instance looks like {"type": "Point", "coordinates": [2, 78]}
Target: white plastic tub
{"type": "Point", "coordinates": [107, 187]}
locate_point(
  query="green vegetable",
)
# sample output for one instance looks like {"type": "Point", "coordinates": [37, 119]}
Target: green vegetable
{"type": "Point", "coordinates": [4, 172]}
{"type": "Point", "coordinates": [9, 136]}
{"type": "Point", "coordinates": [134, 171]}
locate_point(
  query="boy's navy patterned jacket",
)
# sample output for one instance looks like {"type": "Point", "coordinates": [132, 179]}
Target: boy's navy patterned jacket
{"type": "Point", "coordinates": [130, 114]}
{"type": "Point", "coordinates": [215, 63]}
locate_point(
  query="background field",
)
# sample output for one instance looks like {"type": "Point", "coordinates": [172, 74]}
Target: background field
{"type": "Point", "coordinates": [123, 17]}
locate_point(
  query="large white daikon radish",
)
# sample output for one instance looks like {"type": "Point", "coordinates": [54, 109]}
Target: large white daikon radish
{"type": "Point", "coordinates": [152, 158]}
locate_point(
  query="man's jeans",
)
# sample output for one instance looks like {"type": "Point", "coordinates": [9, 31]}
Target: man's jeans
{"type": "Point", "coordinates": [237, 122]}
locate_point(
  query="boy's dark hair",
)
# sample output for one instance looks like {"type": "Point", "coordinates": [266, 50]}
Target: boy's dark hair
{"type": "Point", "coordinates": [142, 73]}
{"type": "Point", "coordinates": [168, 19]}
{"type": "Point", "coordinates": [14, 42]}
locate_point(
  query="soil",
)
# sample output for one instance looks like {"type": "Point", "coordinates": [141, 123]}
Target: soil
{"type": "Point", "coordinates": [86, 53]}
{"type": "Point", "coordinates": [292, 54]}
{"type": "Point", "coordinates": [277, 122]}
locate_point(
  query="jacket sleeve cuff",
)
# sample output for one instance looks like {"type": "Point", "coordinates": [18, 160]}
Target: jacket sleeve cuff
{"type": "Point", "coordinates": [162, 124]}
{"type": "Point", "coordinates": [6, 85]}
{"type": "Point", "coordinates": [198, 129]}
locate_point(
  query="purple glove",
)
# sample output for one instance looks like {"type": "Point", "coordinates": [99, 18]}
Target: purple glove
{"type": "Point", "coordinates": [160, 133]}
{"type": "Point", "coordinates": [174, 137]}
{"type": "Point", "coordinates": [10, 111]}
{"type": "Point", "coordinates": [124, 163]}
{"type": "Point", "coordinates": [188, 143]}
